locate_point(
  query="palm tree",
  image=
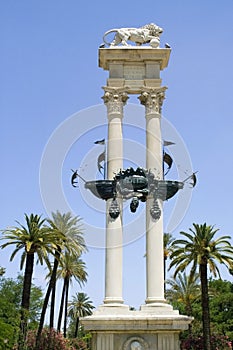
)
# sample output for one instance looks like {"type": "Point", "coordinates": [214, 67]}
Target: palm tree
{"type": "Point", "coordinates": [71, 266]}
{"type": "Point", "coordinates": [185, 290]}
{"type": "Point", "coordinates": [73, 241]}
{"type": "Point", "coordinates": [167, 241]}
{"type": "Point", "coordinates": [80, 306]}
{"type": "Point", "coordinates": [33, 238]}
{"type": "Point", "coordinates": [199, 249]}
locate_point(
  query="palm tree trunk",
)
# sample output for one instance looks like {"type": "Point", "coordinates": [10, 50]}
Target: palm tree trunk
{"type": "Point", "coordinates": [52, 282]}
{"type": "Point", "coordinates": [66, 305]}
{"type": "Point", "coordinates": [27, 283]}
{"type": "Point", "coordinates": [189, 311]}
{"type": "Point", "coordinates": [164, 274]}
{"type": "Point", "coordinates": [205, 305]}
{"type": "Point", "coordinates": [54, 279]}
{"type": "Point", "coordinates": [76, 328]}
{"type": "Point", "coordinates": [61, 307]}
{"type": "Point", "coordinates": [52, 307]}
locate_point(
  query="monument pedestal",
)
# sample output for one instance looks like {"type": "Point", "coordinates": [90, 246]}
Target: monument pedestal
{"type": "Point", "coordinates": [151, 328]}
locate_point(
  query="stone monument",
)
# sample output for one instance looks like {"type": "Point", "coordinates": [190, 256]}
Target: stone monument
{"type": "Point", "coordinates": [135, 69]}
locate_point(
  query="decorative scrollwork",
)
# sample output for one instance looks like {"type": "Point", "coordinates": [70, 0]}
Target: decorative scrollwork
{"type": "Point", "coordinates": [115, 99]}
{"type": "Point", "coordinates": [135, 343]}
{"type": "Point", "coordinates": [152, 99]}
{"type": "Point", "coordinates": [155, 210]}
{"type": "Point", "coordinates": [114, 210]}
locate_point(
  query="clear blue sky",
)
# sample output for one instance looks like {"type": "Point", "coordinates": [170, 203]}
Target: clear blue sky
{"type": "Point", "coordinates": [49, 71]}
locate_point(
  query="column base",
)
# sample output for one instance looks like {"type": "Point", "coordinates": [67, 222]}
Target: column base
{"type": "Point", "coordinates": [159, 308]}
{"type": "Point", "coordinates": [113, 301]}
{"type": "Point", "coordinates": [151, 300]}
{"type": "Point", "coordinates": [114, 309]}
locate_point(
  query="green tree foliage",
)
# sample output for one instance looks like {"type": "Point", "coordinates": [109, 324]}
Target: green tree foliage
{"type": "Point", "coordinates": [49, 340]}
{"type": "Point", "coordinates": [221, 311]}
{"type": "Point", "coordinates": [38, 240]}
{"type": "Point", "coordinates": [70, 267]}
{"type": "Point", "coordinates": [218, 342]}
{"type": "Point", "coordinates": [184, 291]}
{"type": "Point", "coordinates": [69, 229]}
{"type": "Point", "coordinates": [67, 264]}
{"type": "Point", "coordinates": [33, 239]}
{"type": "Point", "coordinates": [10, 303]}
{"type": "Point", "coordinates": [221, 307]}
{"type": "Point", "coordinates": [7, 335]}
{"type": "Point", "coordinates": [167, 241]}
{"type": "Point", "coordinates": [200, 249]}
{"type": "Point", "coordinates": [52, 340]}
{"type": "Point", "coordinates": [80, 306]}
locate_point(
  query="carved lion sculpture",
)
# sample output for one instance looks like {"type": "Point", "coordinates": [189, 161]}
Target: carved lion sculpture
{"type": "Point", "coordinates": [150, 33]}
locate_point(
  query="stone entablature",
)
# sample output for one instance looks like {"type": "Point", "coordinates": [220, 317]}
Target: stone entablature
{"type": "Point", "coordinates": [134, 55]}
{"type": "Point", "coordinates": [134, 69]}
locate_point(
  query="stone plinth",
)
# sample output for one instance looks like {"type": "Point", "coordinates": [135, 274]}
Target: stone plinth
{"type": "Point", "coordinates": [134, 68]}
{"type": "Point", "coordinates": [151, 328]}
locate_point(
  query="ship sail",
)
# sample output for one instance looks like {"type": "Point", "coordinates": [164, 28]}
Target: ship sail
{"type": "Point", "coordinates": [100, 160]}
{"type": "Point", "coordinates": [168, 160]}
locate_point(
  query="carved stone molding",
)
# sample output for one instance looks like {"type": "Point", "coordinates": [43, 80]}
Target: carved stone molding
{"type": "Point", "coordinates": [115, 99]}
{"type": "Point", "coordinates": [136, 343]}
{"type": "Point", "coordinates": [152, 99]}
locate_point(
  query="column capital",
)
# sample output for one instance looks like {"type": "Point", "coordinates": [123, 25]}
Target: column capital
{"type": "Point", "coordinates": [115, 99]}
{"type": "Point", "coordinates": [152, 99]}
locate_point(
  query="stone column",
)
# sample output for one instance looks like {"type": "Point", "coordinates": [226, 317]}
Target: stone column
{"type": "Point", "coordinates": [114, 99]}
{"type": "Point", "coordinates": [152, 99]}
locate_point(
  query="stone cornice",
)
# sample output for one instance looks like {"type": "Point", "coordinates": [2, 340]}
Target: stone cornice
{"type": "Point", "coordinates": [133, 54]}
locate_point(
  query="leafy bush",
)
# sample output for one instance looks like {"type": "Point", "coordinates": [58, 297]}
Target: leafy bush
{"type": "Point", "coordinates": [218, 342]}
{"type": "Point", "coordinates": [7, 337]}
{"type": "Point", "coordinates": [50, 340]}
{"type": "Point", "coordinates": [78, 344]}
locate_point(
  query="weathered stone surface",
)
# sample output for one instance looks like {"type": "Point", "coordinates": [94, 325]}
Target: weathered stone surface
{"type": "Point", "coordinates": [121, 328]}
{"type": "Point", "coordinates": [156, 326]}
{"type": "Point", "coordinates": [134, 56]}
